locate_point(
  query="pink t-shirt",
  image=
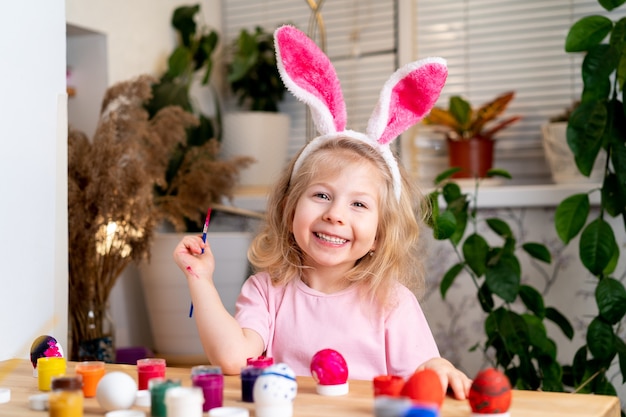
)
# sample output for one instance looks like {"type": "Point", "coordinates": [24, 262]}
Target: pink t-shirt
{"type": "Point", "coordinates": [296, 321]}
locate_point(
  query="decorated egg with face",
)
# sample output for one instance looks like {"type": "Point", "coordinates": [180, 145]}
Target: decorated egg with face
{"type": "Point", "coordinates": [490, 392]}
{"type": "Point", "coordinates": [330, 371]}
{"type": "Point", "coordinates": [44, 347]}
{"type": "Point", "coordinates": [274, 391]}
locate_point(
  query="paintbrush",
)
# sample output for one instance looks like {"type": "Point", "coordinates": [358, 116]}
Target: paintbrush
{"type": "Point", "coordinates": [204, 231]}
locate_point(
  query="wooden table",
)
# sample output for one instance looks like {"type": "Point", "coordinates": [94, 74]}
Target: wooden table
{"type": "Point", "coordinates": [17, 375]}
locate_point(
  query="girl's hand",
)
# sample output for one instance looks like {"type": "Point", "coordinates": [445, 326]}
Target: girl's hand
{"type": "Point", "coordinates": [190, 259]}
{"type": "Point", "coordinates": [449, 376]}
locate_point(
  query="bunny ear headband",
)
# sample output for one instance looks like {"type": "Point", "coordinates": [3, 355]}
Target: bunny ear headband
{"type": "Point", "coordinates": [405, 99]}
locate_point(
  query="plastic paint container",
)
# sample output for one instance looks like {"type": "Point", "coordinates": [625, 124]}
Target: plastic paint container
{"type": "Point", "coordinates": [48, 368]}
{"type": "Point", "coordinates": [66, 398]}
{"type": "Point", "coordinates": [250, 373]}
{"type": "Point", "coordinates": [158, 388]}
{"type": "Point", "coordinates": [184, 402]}
{"type": "Point", "coordinates": [92, 372]}
{"type": "Point", "coordinates": [149, 368]}
{"type": "Point", "coordinates": [212, 386]}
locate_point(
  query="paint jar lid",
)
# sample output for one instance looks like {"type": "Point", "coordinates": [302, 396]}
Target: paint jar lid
{"type": "Point", "coordinates": [38, 402]}
{"type": "Point", "coordinates": [125, 413]}
{"type": "Point", "coordinates": [229, 412]}
{"type": "Point", "coordinates": [260, 362]}
{"type": "Point", "coordinates": [143, 399]}
{"type": "Point", "coordinates": [67, 383]}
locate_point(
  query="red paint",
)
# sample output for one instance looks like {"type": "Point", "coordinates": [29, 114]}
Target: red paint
{"type": "Point", "coordinates": [191, 272]}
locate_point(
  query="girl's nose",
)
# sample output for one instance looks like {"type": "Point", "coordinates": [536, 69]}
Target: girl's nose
{"type": "Point", "coordinates": [333, 214]}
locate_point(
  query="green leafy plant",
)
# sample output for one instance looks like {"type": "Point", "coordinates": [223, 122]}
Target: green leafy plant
{"type": "Point", "coordinates": [514, 327]}
{"type": "Point", "coordinates": [252, 72]}
{"type": "Point", "coordinates": [195, 177]}
{"type": "Point", "coordinates": [462, 122]}
{"type": "Point", "coordinates": [598, 123]}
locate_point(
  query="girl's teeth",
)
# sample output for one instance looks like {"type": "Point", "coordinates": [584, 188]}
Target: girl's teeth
{"type": "Point", "coordinates": [330, 239]}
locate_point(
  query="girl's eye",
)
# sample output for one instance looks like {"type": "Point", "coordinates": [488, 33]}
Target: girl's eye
{"type": "Point", "coordinates": [323, 196]}
{"type": "Point", "coordinates": [359, 204]}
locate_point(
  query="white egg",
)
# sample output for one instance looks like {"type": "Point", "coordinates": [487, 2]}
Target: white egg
{"type": "Point", "coordinates": [116, 391]}
{"type": "Point", "coordinates": [274, 391]}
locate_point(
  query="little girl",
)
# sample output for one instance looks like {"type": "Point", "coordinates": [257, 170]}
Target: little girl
{"type": "Point", "coordinates": [338, 250]}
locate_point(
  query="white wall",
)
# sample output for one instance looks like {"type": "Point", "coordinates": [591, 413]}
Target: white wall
{"type": "Point", "coordinates": [33, 168]}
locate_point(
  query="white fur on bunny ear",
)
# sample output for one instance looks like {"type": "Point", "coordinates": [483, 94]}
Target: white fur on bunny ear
{"type": "Point", "coordinates": [408, 96]}
{"type": "Point", "coordinates": [308, 73]}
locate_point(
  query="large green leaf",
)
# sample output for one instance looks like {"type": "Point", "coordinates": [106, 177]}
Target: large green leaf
{"type": "Point", "coordinates": [597, 246]}
{"type": "Point", "coordinates": [503, 278]}
{"type": "Point", "coordinates": [183, 21]}
{"type": "Point", "coordinates": [500, 227]}
{"type": "Point", "coordinates": [485, 298]}
{"type": "Point", "coordinates": [510, 327]}
{"type": "Point", "coordinates": [552, 374]}
{"type": "Point", "coordinates": [613, 197]}
{"type": "Point", "coordinates": [585, 133]}
{"type": "Point", "coordinates": [448, 279]}
{"type": "Point", "coordinates": [601, 340]}
{"type": "Point", "coordinates": [475, 250]}
{"type": "Point", "coordinates": [560, 320]}
{"type": "Point", "coordinates": [579, 365]}
{"type": "Point", "coordinates": [451, 192]}
{"type": "Point", "coordinates": [571, 215]}
{"type": "Point", "coordinates": [597, 67]}
{"type": "Point", "coordinates": [538, 337]}
{"type": "Point", "coordinates": [533, 300]}
{"type": "Point", "coordinates": [444, 225]}
{"type": "Point", "coordinates": [611, 300]}
{"type": "Point", "coordinates": [611, 4]}
{"type": "Point", "coordinates": [498, 172]}
{"type": "Point", "coordinates": [586, 32]}
{"type": "Point", "coordinates": [446, 174]}
{"type": "Point", "coordinates": [461, 110]}
{"type": "Point", "coordinates": [538, 251]}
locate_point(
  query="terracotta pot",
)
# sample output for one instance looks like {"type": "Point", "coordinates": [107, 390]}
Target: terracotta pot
{"type": "Point", "coordinates": [473, 156]}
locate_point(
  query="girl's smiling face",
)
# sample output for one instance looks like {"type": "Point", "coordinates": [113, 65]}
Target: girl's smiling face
{"type": "Point", "coordinates": [336, 218]}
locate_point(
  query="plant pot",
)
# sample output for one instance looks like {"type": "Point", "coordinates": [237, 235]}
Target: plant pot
{"type": "Point", "coordinates": [561, 159]}
{"type": "Point", "coordinates": [167, 295]}
{"type": "Point", "coordinates": [261, 135]}
{"type": "Point", "coordinates": [473, 156]}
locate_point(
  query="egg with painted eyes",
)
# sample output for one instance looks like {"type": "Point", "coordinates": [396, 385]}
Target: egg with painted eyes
{"type": "Point", "coordinates": [274, 391]}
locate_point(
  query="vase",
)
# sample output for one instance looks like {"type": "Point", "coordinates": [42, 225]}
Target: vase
{"type": "Point", "coordinates": [474, 156]}
{"type": "Point", "coordinates": [91, 332]}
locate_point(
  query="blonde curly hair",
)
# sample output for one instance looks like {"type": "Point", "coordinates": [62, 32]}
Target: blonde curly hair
{"type": "Point", "coordinates": [398, 255]}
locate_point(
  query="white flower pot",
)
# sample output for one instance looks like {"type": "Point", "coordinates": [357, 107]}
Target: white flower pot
{"type": "Point", "coordinates": [561, 159]}
{"type": "Point", "coordinates": [167, 295]}
{"type": "Point", "coordinates": [261, 135]}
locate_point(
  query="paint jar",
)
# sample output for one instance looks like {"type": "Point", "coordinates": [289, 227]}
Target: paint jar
{"type": "Point", "coordinates": [158, 387]}
{"type": "Point", "coordinates": [184, 402]}
{"type": "Point", "coordinates": [250, 373]}
{"type": "Point", "coordinates": [92, 372]}
{"type": "Point", "coordinates": [149, 368]}
{"type": "Point", "coordinates": [66, 398]}
{"type": "Point", "coordinates": [212, 385]}
{"type": "Point", "coordinates": [48, 368]}
{"type": "Point", "coordinates": [389, 385]}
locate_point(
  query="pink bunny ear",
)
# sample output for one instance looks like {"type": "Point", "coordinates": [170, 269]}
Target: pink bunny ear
{"type": "Point", "coordinates": [408, 96]}
{"type": "Point", "coordinates": [308, 73]}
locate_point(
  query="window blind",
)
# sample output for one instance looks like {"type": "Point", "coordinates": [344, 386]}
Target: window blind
{"type": "Point", "coordinates": [360, 42]}
{"type": "Point", "coordinates": [493, 46]}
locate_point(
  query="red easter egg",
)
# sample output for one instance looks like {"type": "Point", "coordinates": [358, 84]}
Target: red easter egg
{"type": "Point", "coordinates": [424, 387]}
{"type": "Point", "coordinates": [328, 367]}
{"type": "Point", "coordinates": [490, 392]}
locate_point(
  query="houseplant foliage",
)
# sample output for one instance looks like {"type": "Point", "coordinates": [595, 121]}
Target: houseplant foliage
{"type": "Point", "coordinates": [470, 132]}
{"type": "Point", "coordinates": [195, 177]}
{"type": "Point", "coordinates": [516, 339]}
{"type": "Point", "coordinates": [252, 72]}
{"type": "Point", "coordinates": [462, 122]}
{"type": "Point", "coordinates": [599, 122]}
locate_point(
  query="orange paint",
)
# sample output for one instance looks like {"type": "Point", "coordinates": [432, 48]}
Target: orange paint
{"type": "Point", "coordinates": [92, 372]}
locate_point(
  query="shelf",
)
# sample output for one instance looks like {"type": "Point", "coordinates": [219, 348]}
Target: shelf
{"type": "Point", "coordinates": [489, 196]}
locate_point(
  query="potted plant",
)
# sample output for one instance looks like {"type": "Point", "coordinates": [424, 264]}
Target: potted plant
{"type": "Point", "coordinates": [599, 123]}
{"type": "Point", "coordinates": [197, 177]}
{"type": "Point", "coordinates": [258, 129]}
{"type": "Point", "coordinates": [516, 338]}
{"type": "Point", "coordinates": [470, 133]}
{"type": "Point", "coordinates": [559, 156]}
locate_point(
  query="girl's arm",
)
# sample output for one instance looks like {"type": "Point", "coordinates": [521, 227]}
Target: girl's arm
{"type": "Point", "coordinates": [225, 343]}
{"type": "Point", "coordinates": [450, 377]}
